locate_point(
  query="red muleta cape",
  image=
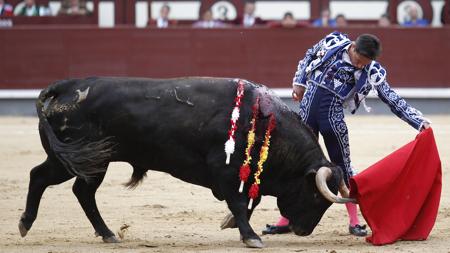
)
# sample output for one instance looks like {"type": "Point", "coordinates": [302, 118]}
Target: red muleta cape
{"type": "Point", "coordinates": [399, 195]}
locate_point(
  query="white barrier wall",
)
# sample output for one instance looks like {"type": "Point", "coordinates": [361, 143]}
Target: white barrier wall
{"type": "Point", "coordinates": [359, 10]}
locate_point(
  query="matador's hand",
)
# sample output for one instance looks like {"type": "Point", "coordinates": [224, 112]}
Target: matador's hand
{"type": "Point", "coordinates": [297, 92]}
{"type": "Point", "coordinates": [425, 125]}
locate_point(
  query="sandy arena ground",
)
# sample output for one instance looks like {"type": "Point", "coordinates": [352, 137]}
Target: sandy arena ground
{"type": "Point", "coordinates": [167, 215]}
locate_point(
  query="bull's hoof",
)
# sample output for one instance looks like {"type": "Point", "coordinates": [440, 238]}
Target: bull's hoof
{"type": "Point", "coordinates": [111, 239]}
{"type": "Point", "coordinates": [23, 230]}
{"type": "Point", "coordinates": [228, 222]}
{"type": "Point", "coordinates": [254, 243]}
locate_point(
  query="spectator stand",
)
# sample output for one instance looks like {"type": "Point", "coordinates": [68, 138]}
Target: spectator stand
{"type": "Point", "coordinates": [57, 47]}
{"type": "Point", "coordinates": [90, 19]}
{"type": "Point", "coordinates": [128, 12]}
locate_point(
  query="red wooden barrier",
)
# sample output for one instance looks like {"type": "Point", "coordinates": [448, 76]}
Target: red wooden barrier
{"type": "Point", "coordinates": [34, 57]}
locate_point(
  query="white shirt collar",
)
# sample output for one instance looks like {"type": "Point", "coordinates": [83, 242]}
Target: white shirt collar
{"type": "Point", "coordinates": [345, 55]}
{"type": "Point", "coordinates": [162, 23]}
{"type": "Point", "coordinates": [249, 20]}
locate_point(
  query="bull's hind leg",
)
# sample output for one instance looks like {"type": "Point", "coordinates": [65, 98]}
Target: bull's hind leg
{"type": "Point", "coordinates": [85, 191]}
{"type": "Point", "coordinates": [50, 172]}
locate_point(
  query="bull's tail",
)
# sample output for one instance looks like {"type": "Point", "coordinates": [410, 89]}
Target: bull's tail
{"type": "Point", "coordinates": [82, 158]}
{"type": "Point", "coordinates": [138, 176]}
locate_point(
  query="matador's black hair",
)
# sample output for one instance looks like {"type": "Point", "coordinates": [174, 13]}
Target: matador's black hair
{"type": "Point", "coordinates": [368, 45]}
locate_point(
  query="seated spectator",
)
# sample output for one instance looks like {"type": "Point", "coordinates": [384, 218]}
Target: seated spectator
{"type": "Point", "coordinates": [6, 10]}
{"type": "Point", "coordinates": [384, 21]}
{"type": "Point", "coordinates": [163, 20]}
{"type": "Point", "coordinates": [288, 21]}
{"type": "Point", "coordinates": [324, 20]}
{"type": "Point", "coordinates": [30, 8]}
{"type": "Point", "coordinates": [207, 21]}
{"type": "Point", "coordinates": [413, 18]}
{"type": "Point", "coordinates": [73, 7]}
{"type": "Point", "coordinates": [341, 21]}
{"type": "Point", "coordinates": [249, 19]}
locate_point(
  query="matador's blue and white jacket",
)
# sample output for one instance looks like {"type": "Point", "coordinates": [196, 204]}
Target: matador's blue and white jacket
{"type": "Point", "coordinates": [323, 66]}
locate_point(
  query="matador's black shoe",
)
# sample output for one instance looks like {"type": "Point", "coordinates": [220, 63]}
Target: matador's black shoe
{"type": "Point", "coordinates": [273, 229]}
{"type": "Point", "coordinates": [357, 230]}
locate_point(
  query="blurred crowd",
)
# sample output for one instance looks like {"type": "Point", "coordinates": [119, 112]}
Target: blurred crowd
{"type": "Point", "coordinates": [206, 19]}
{"type": "Point", "coordinates": [31, 8]}
{"type": "Point", "coordinates": [288, 20]}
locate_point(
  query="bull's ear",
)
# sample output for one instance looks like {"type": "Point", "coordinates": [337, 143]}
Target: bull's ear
{"type": "Point", "coordinates": [333, 182]}
{"type": "Point", "coordinates": [337, 174]}
{"type": "Point", "coordinates": [310, 177]}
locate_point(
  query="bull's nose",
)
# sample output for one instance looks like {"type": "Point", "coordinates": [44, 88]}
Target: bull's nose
{"type": "Point", "coordinates": [300, 232]}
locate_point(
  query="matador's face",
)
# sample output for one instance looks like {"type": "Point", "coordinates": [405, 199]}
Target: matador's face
{"type": "Point", "coordinates": [358, 60]}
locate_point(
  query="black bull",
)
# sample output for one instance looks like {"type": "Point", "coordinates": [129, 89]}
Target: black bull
{"type": "Point", "coordinates": [178, 126]}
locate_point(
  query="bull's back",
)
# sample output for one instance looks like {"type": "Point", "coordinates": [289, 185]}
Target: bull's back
{"type": "Point", "coordinates": [163, 124]}
{"type": "Point", "coordinates": [184, 109]}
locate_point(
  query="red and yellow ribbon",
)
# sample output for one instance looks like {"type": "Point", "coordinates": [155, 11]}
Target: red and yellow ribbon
{"type": "Point", "coordinates": [253, 193]}
{"type": "Point", "coordinates": [244, 171]}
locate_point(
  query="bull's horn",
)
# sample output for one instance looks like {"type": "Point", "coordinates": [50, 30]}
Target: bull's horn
{"type": "Point", "coordinates": [323, 174]}
{"type": "Point", "coordinates": [343, 190]}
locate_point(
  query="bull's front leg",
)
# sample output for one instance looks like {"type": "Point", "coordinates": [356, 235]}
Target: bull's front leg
{"type": "Point", "coordinates": [227, 185]}
{"type": "Point", "coordinates": [229, 221]}
{"type": "Point", "coordinates": [238, 203]}
{"type": "Point", "coordinates": [238, 207]}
